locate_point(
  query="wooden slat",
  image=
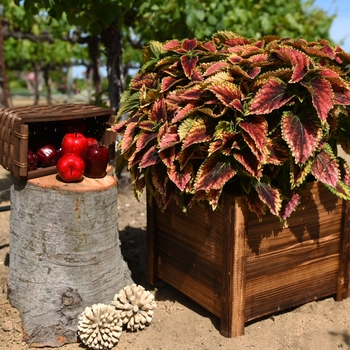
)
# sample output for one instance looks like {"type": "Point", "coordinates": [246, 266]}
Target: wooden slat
{"type": "Point", "coordinates": [343, 287]}
{"type": "Point", "coordinates": [151, 243]}
{"type": "Point", "coordinates": [233, 282]}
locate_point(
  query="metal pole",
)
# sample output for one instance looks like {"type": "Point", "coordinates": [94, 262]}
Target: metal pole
{"type": "Point", "coordinates": [2, 63]}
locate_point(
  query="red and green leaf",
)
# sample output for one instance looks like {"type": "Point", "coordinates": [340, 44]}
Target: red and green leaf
{"type": "Point", "coordinates": [200, 131]}
{"type": "Point", "coordinates": [300, 61]}
{"type": "Point", "coordinates": [229, 94]}
{"type": "Point", "coordinates": [271, 96]}
{"type": "Point", "coordinates": [158, 111]}
{"type": "Point", "coordinates": [249, 161]}
{"type": "Point", "coordinates": [270, 196]}
{"type": "Point", "coordinates": [169, 138]}
{"type": "Point", "coordinates": [171, 45]}
{"type": "Point", "coordinates": [189, 64]}
{"type": "Point", "coordinates": [216, 68]}
{"type": "Point", "coordinates": [167, 156]}
{"type": "Point", "coordinates": [214, 173]}
{"type": "Point", "coordinates": [325, 167]}
{"type": "Point", "coordinates": [144, 139]}
{"type": "Point", "coordinates": [151, 157]}
{"type": "Point", "coordinates": [181, 177]}
{"type": "Point", "coordinates": [322, 96]}
{"type": "Point", "coordinates": [256, 127]}
{"type": "Point", "coordinates": [290, 206]}
{"type": "Point", "coordinates": [299, 172]}
{"type": "Point", "coordinates": [302, 136]}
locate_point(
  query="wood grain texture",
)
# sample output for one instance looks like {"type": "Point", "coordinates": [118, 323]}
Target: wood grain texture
{"type": "Point", "coordinates": [64, 254]}
{"type": "Point", "coordinates": [241, 269]}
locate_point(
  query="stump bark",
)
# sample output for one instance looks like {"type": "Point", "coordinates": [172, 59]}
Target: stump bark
{"type": "Point", "coordinates": [64, 254]}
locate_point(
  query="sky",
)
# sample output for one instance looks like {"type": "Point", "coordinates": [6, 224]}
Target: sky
{"type": "Point", "coordinates": [340, 30]}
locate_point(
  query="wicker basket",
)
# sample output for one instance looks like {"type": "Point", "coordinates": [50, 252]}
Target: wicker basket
{"type": "Point", "coordinates": [21, 128]}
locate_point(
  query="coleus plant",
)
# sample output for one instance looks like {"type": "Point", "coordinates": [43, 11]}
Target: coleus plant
{"type": "Point", "coordinates": [255, 118]}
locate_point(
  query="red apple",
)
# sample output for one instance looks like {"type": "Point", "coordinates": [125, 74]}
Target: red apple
{"type": "Point", "coordinates": [70, 167]}
{"type": "Point", "coordinates": [32, 160]}
{"type": "Point", "coordinates": [74, 143]}
{"type": "Point", "coordinates": [47, 155]}
{"type": "Point", "coordinates": [96, 160]}
{"type": "Point", "coordinates": [91, 141]}
{"type": "Point", "coordinates": [74, 125]}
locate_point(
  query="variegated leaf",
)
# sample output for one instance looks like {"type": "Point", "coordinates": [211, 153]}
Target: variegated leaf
{"type": "Point", "coordinates": [144, 139]}
{"type": "Point", "coordinates": [213, 197]}
{"type": "Point", "coordinates": [189, 64]}
{"type": "Point", "coordinates": [180, 177]}
{"type": "Point", "coordinates": [158, 111]}
{"type": "Point", "coordinates": [189, 154]}
{"type": "Point", "coordinates": [344, 171]}
{"type": "Point", "coordinates": [119, 127]}
{"type": "Point", "coordinates": [270, 196]}
{"type": "Point", "coordinates": [170, 138]}
{"type": "Point", "coordinates": [229, 94]}
{"type": "Point", "coordinates": [216, 68]}
{"type": "Point", "coordinates": [184, 112]}
{"type": "Point", "coordinates": [159, 178]}
{"type": "Point", "coordinates": [151, 157]}
{"type": "Point", "coordinates": [168, 82]}
{"type": "Point", "coordinates": [171, 45]}
{"type": "Point", "coordinates": [189, 44]}
{"type": "Point", "coordinates": [200, 131]}
{"type": "Point", "coordinates": [129, 136]}
{"type": "Point", "coordinates": [342, 190]}
{"type": "Point", "coordinates": [325, 167]}
{"type": "Point", "coordinates": [291, 205]}
{"type": "Point", "coordinates": [167, 156]}
{"type": "Point", "coordinates": [149, 80]}
{"type": "Point", "coordinates": [322, 96]}
{"type": "Point", "coordinates": [299, 172]}
{"type": "Point", "coordinates": [214, 173]}
{"type": "Point", "coordinates": [256, 127]}
{"type": "Point", "coordinates": [300, 61]}
{"type": "Point", "coordinates": [277, 152]}
{"type": "Point", "coordinates": [194, 93]}
{"type": "Point", "coordinates": [255, 205]}
{"type": "Point", "coordinates": [251, 164]}
{"type": "Point", "coordinates": [272, 95]}
{"type": "Point", "coordinates": [302, 136]}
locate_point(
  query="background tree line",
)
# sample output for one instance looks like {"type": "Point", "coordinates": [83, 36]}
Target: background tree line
{"type": "Point", "coordinates": [51, 35]}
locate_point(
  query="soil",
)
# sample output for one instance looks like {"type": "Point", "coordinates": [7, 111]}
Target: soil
{"type": "Point", "coordinates": [179, 323]}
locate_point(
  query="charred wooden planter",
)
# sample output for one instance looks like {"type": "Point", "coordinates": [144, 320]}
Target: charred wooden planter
{"type": "Point", "coordinates": [240, 269]}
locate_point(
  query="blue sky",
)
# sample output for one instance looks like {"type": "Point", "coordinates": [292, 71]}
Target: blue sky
{"type": "Point", "coordinates": [340, 29]}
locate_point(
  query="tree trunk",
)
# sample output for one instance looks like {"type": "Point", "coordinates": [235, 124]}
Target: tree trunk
{"type": "Point", "coordinates": [48, 85]}
{"type": "Point", "coordinates": [36, 83]}
{"type": "Point", "coordinates": [94, 55]}
{"type": "Point", "coordinates": [112, 39]}
{"type": "Point", "coordinates": [65, 254]}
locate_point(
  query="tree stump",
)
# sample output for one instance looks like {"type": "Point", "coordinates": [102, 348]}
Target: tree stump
{"type": "Point", "coordinates": [64, 254]}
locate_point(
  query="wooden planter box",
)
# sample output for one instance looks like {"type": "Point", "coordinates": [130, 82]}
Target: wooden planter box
{"type": "Point", "coordinates": [240, 269]}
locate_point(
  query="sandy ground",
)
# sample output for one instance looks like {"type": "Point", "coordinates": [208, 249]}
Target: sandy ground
{"type": "Point", "coordinates": [180, 323]}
